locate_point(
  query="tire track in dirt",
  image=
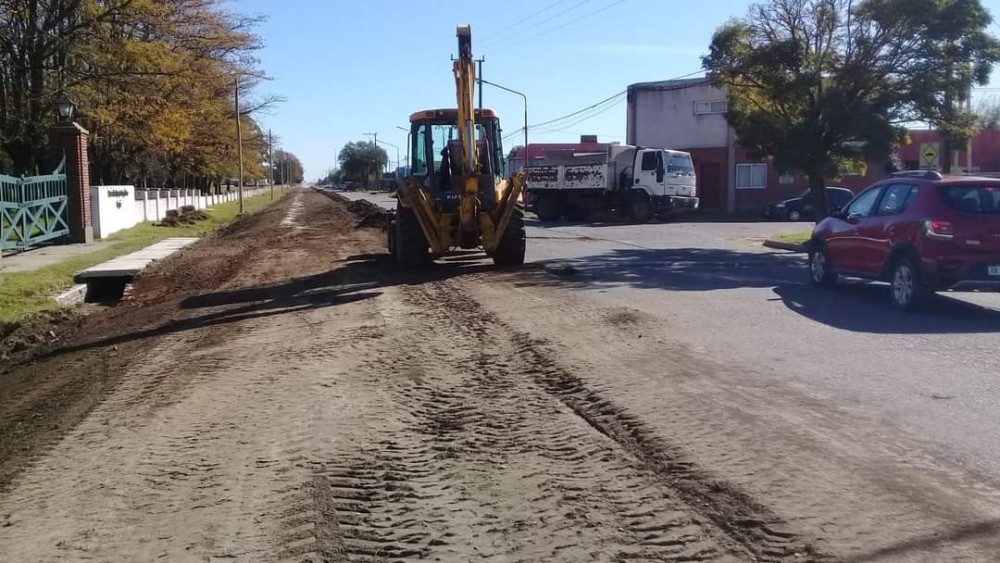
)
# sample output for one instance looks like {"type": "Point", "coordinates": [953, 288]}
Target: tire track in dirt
{"type": "Point", "coordinates": [495, 451]}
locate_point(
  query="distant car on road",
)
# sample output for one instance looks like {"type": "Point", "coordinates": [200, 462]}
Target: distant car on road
{"type": "Point", "coordinates": [801, 208]}
{"type": "Point", "coordinates": [918, 230]}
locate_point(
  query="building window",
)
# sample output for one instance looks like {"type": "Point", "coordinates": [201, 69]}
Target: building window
{"type": "Point", "coordinates": [751, 176]}
{"type": "Point", "coordinates": [708, 107]}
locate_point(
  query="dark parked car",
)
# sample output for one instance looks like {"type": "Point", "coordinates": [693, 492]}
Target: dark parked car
{"type": "Point", "coordinates": [918, 230]}
{"type": "Point", "coordinates": [801, 208]}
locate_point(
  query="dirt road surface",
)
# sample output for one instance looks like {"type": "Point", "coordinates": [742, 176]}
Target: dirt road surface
{"type": "Point", "coordinates": [278, 393]}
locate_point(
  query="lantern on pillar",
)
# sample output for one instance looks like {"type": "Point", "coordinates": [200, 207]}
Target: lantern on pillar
{"type": "Point", "coordinates": [66, 108]}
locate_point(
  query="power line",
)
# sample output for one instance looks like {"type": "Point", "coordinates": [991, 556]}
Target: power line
{"type": "Point", "coordinates": [578, 112]}
{"type": "Point", "coordinates": [519, 22]}
{"type": "Point", "coordinates": [548, 20]}
{"type": "Point", "coordinates": [550, 30]}
{"type": "Point", "coordinates": [597, 109]}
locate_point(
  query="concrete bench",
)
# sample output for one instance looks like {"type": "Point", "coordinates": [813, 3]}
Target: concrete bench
{"type": "Point", "coordinates": [106, 281]}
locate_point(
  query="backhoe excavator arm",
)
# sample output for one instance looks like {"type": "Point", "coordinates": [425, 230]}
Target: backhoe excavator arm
{"type": "Point", "coordinates": [465, 84]}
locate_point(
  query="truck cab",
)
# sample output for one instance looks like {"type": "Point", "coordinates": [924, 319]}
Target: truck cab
{"type": "Point", "coordinates": [665, 176]}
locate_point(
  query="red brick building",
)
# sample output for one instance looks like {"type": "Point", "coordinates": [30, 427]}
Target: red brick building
{"type": "Point", "coordinates": [535, 152]}
{"type": "Point", "coordinates": [985, 151]}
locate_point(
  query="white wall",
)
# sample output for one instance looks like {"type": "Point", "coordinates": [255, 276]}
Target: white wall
{"type": "Point", "coordinates": [662, 114]}
{"type": "Point", "coordinates": [113, 209]}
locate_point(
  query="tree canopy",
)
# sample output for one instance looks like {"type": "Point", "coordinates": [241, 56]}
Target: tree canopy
{"type": "Point", "coordinates": [154, 81]}
{"type": "Point", "coordinates": [823, 85]}
{"type": "Point", "coordinates": [362, 160]}
{"type": "Point", "coordinates": [287, 167]}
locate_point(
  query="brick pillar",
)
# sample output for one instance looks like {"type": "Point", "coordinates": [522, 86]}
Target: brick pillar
{"type": "Point", "coordinates": [71, 139]}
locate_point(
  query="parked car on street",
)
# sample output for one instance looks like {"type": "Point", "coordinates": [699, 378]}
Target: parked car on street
{"type": "Point", "coordinates": [801, 208]}
{"type": "Point", "coordinates": [918, 230]}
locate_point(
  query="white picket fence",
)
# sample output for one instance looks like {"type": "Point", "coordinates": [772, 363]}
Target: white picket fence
{"type": "Point", "coordinates": [119, 207]}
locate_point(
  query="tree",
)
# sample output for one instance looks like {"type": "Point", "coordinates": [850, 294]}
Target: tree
{"type": "Point", "coordinates": [957, 54]}
{"type": "Point", "coordinates": [987, 113]}
{"type": "Point", "coordinates": [362, 160]}
{"type": "Point", "coordinates": [333, 176]}
{"type": "Point", "coordinates": [820, 86]}
{"type": "Point", "coordinates": [287, 167]}
{"type": "Point", "coordinates": [154, 82]}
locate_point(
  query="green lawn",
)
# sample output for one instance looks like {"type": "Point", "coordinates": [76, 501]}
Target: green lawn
{"type": "Point", "coordinates": [793, 238]}
{"type": "Point", "coordinates": [25, 293]}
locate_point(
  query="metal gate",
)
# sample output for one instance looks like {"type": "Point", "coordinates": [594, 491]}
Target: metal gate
{"type": "Point", "coordinates": [33, 209]}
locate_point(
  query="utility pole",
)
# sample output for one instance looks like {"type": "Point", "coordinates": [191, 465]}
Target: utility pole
{"type": "Point", "coordinates": [375, 144]}
{"type": "Point", "coordinates": [480, 73]}
{"type": "Point", "coordinates": [968, 145]}
{"type": "Point", "coordinates": [270, 161]}
{"type": "Point", "coordinates": [239, 141]}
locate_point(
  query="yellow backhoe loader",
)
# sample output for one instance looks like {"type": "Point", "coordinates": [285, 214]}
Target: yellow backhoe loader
{"type": "Point", "coordinates": [457, 194]}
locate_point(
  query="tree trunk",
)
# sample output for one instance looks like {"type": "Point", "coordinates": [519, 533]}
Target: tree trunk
{"type": "Point", "coordinates": [821, 203]}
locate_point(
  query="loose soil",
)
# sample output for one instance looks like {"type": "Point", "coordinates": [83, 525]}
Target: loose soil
{"type": "Point", "coordinates": [279, 393]}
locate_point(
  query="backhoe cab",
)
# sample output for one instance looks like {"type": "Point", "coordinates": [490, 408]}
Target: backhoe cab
{"type": "Point", "coordinates": [456, 195]}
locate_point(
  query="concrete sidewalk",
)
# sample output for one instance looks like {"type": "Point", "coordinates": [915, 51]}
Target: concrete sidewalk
{"type": "Point", "coordinates": [41, 257]}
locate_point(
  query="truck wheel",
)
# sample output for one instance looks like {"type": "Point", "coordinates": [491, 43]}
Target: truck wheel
{"type": "Point", "coordinates": [547, 208]}
{"type": "Point", "coordinates": [640, 209]}
{"type": "Point", "coordinates": [410, 247]}
{"type": "Point", "coordinates": [510, 251]}
{"type": "Point", "coordinates": [578, 213]}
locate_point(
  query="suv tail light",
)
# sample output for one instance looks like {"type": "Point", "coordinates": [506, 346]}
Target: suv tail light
{"type": "Point", "coordinates": [938, 230]}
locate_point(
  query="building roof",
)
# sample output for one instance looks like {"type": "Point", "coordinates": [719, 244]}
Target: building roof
{"type": "Point", "coordinates": [538, 150]}
{"type": "Point", "coordinates": [676, 84]}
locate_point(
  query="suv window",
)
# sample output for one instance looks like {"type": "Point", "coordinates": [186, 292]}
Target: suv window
{"type": "Point", "coordinates": [972, 199]}
{"type": "Point", "coordinates": [862, 206]}
{"type": "Point", "coordinates": [896, 199]}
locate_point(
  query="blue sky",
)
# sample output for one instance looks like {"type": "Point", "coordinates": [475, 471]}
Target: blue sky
{"type": "Point", "coordinates": [350, 67]}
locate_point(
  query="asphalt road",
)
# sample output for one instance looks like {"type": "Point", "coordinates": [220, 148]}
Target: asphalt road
{"type": "Point", "coordinates": [932, 379]}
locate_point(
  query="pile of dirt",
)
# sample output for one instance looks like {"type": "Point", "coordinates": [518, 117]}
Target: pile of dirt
{"type": "Point", "coordinates": [32, 331]}
{"type": "Point", "coordinates": [186, 215]}
{"type": "Point", "coordinates": [367, 213]}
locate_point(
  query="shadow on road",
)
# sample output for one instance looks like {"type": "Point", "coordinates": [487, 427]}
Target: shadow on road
{"type": "Point", "coordinates": [675, 269]}
{"type": "Point", "coordinates": [950, 540]}
{"type": "Point", "coordinates": [864, 307]}
{"type": "Point", "coordinates": [357, 278]}
{"type": "Point", "coordinates": [855, 306]}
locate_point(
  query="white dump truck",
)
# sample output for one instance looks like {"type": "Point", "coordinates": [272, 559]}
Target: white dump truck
{"type": "Point", "coordinates": [636, 182]}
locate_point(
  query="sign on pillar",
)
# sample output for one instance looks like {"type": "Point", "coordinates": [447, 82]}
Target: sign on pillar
{"type": "Point", "coordinates": [70, 139]}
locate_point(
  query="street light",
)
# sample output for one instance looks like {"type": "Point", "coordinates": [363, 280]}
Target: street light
{"type": "Point", "coordinates": [408, 135]}
{"type": "Point", "coordinates": [525, 114]}
{"type": "Point", "coordinates": [66, 108]}
{"type": "Point", "coordinates": [397, 152]}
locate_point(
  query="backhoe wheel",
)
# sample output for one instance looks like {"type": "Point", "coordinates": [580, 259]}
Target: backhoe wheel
{"type": "Point", "coordinates": [510, 252]}
{"type": "Point", "coordinates": [409, 245]}
{"type": "Point", "coordinates": [640, 208]}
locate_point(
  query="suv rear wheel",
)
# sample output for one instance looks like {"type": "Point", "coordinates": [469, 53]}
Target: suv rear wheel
{"type": "Point", "coordinates": [819, 266]}
{"type": "Point", "coordinates": [906, 288]}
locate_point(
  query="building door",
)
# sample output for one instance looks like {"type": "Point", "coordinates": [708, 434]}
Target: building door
{"type": "Point", "coordinates": [710, 188]}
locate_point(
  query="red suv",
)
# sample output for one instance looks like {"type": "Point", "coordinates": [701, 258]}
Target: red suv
{"type": "Point", "coordinates": [918, 230]}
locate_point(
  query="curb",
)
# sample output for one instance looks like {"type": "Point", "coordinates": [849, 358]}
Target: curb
{"type": "Point", "coordinates": [74, 296]}
{"type": "Point", "coordinates": [785, 246]}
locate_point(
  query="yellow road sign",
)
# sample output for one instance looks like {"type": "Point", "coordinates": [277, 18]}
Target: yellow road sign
{"type": "Point", "coordinates": [929, 154]}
